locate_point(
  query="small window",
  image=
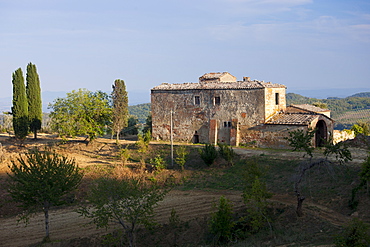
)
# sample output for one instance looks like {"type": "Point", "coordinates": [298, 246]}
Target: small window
{"type": "Point", "coordinates": [229, 124]}
{"type": "Point", "coordinates": [217, 100]}
{"type": "Point", "coordinates": [276, 98]}
{"type": "Point", "coordinates": [197, 100]}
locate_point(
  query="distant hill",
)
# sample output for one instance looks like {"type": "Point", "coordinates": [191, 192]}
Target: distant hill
{"type": "Point", "coordinates": [141, 111]}
{"type": "Point", "coordinates": [361, 95]}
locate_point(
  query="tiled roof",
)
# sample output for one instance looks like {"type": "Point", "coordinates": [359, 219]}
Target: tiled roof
{"type": "Point", "coordinates": [213, 75]}
{"type": "Point", "coordinates": [219, 85]}
{"type": "Point", "coordinates": [311, 108]}
{"type": "Point", "coordinates": [292, 118]}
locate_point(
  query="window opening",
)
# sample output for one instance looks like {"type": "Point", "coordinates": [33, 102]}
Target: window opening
{"type": "Point", "coordinates": [276, 98]}
{"type": "Point", "coordinates": [197, 100]}
{"type": "Point", "coordinates": [217, 100]}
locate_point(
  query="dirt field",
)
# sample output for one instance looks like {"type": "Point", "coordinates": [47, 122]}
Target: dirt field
{"type": "Point", "coordinates": [66, 224]}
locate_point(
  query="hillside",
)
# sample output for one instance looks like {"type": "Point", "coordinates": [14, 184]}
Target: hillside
{"type": "Point", "coordinates": [141, 111]}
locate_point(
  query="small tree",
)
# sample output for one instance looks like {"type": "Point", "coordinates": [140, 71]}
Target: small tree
{"type": "Point", "coordinates": [127, 202]}
{"type": "Point", "coordinates": [221, 222]}
{"type": "Point", "coordinates": [208, 154]}
{"type": "Point", "coordinates": [255, 196]}
{"type": "Point", "coordinates": [227, 153]}
{"type": "Point", "coordinates": [356, 234]}
{"type": "Point", "coordinates": [143, 141]}
{"type": "Point", "coordinates": [181, 156]}
{"type": "Point", "coordinates": [40, 180]}
{"type": "Point", "coordinates": [301, 140]}
{"type": "Point", "coordinates": [81, 113]}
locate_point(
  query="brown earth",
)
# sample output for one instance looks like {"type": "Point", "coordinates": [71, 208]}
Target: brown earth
{"type": "Point", "coordinates": [66, 223]}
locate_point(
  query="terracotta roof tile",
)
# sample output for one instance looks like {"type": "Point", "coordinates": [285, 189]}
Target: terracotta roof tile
{"type": "Point", "coordinates": [292, 118]}
{"type": "Point", "coordinates": [219, 85]}
{"type": "Point", "coordinates": [311, 108]}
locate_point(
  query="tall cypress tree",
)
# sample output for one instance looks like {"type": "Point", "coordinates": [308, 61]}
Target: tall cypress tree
{"type": "Point", "coordinates": [120, 106]}
{"type": "Point", "coordinates": [20, 106]}
{"type": "Point", "coordinates": [33, 91]}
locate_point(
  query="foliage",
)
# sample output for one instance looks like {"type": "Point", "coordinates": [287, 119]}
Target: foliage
{"type": "Point", "coordinates": [128, 201]}
{"type": "Point", "coordinates": [221, 223]}
{"type": "Point", "coordinates": [158, 163]}
{"type": "Point", "coordinates": [181, 156]}
{"type": "Point", "coordinates": [361, 127]}
{"type": "Point", "coordinates": [143, 141]}
{"type": "Point", "coordinates": [364, 181]}
{"type": "Point", "coordinates": [227, 153]}
{"type": "Point", "coordinates": [355, 234]}
{"type": "Point", "coordinates": [148, 124]}
{"type": "Point", "coordinates": [120, 106]}
{"type": "Point", "coordinates": [208, 154]}
{"type": "Point", "coordinates": [132, 126]}
{"type": "Point", "coordinates": [124, 154]}
{"type": "Point", "coordinates": [365, 172]}
{"type": "Point", "coordinates": [255, 195]}
{"type": "Point", "coordinates": [81, 113]}
{"type": "Point", "coordinates": [141, 111]}
{"type": "Point", "coordinates": [20, 105]}
{"type": "Point", "coordinates": [321, 105]}
{"type": "Point", "coordinates": [301, 140]}
{"type": "Point", "coordinates": [340, 150]}
{"type": "Point", "coordinates": [40, 181]}
{"type": "Point", "coordinates": [33, 91]}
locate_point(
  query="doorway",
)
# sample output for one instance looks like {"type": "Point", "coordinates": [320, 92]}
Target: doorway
{"type": "Point", "coordinates": [321, 135]}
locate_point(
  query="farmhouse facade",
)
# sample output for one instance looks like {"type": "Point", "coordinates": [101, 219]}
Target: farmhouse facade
{"type": "Point", "coordinates": [220, 109]}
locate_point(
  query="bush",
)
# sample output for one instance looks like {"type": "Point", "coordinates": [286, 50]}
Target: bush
{"type": "Point", "coordinates": [221, 223]}
{"type": "Point", "coordinates": [208, 154]}
{"type": "Point", "coordinates": [227, 153]}
{"type": "Point", "coordinates": [158, 163]}
{"type": "Point", "coordinates": [355, 235]}
{"type": "Point", "coordinates": [124, 154]}
{"type": "Point", "coordinates": [181, 156]}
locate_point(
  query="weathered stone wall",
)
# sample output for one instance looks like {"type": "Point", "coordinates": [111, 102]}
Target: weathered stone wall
{"type": "Point", "coordinates": [342, 135]}
{"type": "Point", "coordinates": [270, 101]}
{"type": "Point", "coordinates": [268, 136]}
{"type": "Point", "coordinates": [190, 118]}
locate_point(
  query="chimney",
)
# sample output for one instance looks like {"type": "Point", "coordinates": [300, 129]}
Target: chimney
{"type": "Point", "coordinates": [245, 78]}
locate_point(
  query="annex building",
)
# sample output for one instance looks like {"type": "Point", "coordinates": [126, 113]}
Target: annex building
{"type": "Point", "coordinates": [221, 109]}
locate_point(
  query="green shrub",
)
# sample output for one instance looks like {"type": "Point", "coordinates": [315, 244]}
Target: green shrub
{"type": "Point", "coordinates": [227, 153]}
{"type": "Point", "coordinates": [181, 156]}
{"type": "Point", "coordinates": [221, 223]}
{"type": "Point", "coordinates": [124, 154]}
{"type": "Point", "coordinates": [158, 163]}
{"type": "Point", "coordinates": [355, 235]}
{"type": "Point", "coordinates": [208, 154]}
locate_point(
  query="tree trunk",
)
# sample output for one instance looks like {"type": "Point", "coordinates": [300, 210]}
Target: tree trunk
{"type": "Point", "coordinates": [46, 212]}
{"type": "Point", "coordinates": [35, 134]}
{"type": "Point", "coordinates": [300, 200]}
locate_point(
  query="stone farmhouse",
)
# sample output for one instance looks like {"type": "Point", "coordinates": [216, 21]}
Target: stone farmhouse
{"type": "Point", "coordinates": [220, 109]}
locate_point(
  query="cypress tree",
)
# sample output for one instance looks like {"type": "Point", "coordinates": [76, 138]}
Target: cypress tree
{"type": "Point", "coordinates": [33, 91]}
{"type": "Point", "coordinates": [20, 106]}
{"type": "Point", "coordinates": [120, 106]}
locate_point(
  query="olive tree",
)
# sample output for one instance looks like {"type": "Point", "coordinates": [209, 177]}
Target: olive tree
{"type": "Point", "coordinates": [81, 113]}
{"type": "Point", "coordinates": [39, 180]}
{"type": "Point", "coordinates": [128, 202]}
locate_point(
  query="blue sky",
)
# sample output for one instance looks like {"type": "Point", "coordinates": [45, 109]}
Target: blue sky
{"type": "Point", "coordinates": [304, 44]}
